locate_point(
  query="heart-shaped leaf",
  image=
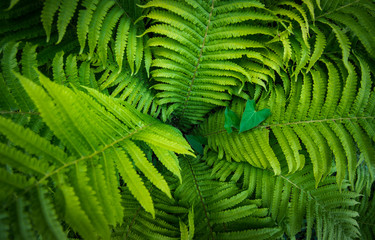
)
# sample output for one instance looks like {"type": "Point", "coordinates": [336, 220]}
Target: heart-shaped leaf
{"type": "Point", "coordinates": [251, 118]}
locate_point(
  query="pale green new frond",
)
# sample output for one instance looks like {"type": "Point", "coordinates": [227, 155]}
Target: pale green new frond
{"type": "Point", "coordinates": [99, 138]}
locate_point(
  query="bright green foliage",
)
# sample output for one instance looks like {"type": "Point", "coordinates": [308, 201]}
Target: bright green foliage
{"type": "Point", "coordinates": [187, 119]}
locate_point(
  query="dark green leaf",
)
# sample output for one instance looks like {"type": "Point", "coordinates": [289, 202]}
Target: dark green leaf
{"type": "Point", "coordinates": [231, 120]}
{"type": "Point", "coordinates": [196, 142]}
{"type": "Point", "coordinates": [252, 118]}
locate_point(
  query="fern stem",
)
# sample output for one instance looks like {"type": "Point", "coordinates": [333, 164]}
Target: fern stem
{"type": "Point", "coordinates": [338, 9]}
{"type": "Point", "coordinates": [79, 160]}
{"type": "Point", "coordinates": [199, 59]}
{"type": "Point", "coordinates": [201, 199]}
{"type": "Point", "coordinates": [17, 112]}
{"type": "Point", "coordinates": [119, 5]}
{"type": "Point", "coordinates": [366, 223]}
{"type": "Point", "coordinates": [299, 122]}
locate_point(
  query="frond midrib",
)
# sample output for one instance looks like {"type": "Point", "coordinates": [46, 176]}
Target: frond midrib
{"type": "Point", "coordinates": [201, 199]}
{"type": "Point", "coordinates": [66, 165]}
{"type": "Point", "coordinates": [338, 9]}
{"type": "Point", "coordinates": [297, 123]}
{"type": "Point", "coordinates": [18, 112]}
{"type": "Point", "coordinates": [198, 62]}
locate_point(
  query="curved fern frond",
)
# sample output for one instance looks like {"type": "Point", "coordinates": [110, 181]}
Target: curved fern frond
{"type": "Point", "coordinates": [196, 30]}
{"type": "Point", "coordinates": [348, 15]}
{"type": "Point", "coordinates": [99, 142]}
{"type": "Point", "coordinates": [326, 133]}
{"type": "Point", "coordinates": [293, 198]}
{"type": "Point", "coordinates": [223, 205]}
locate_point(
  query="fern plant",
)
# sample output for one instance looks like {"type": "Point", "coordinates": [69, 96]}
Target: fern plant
{"type": "Point", "coordinates": [130, 119]}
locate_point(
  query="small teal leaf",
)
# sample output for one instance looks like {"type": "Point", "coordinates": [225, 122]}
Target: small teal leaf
{"type": "Point", "coordinates": [252, 118]}
{"type": "Point", "coordinates": [231, 120]}
{"type": "Point", "coordinates": [196, 142]}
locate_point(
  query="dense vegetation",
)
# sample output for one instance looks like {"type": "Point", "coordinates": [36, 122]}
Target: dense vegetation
{"type": "Point", "coordinates": [187, 119]}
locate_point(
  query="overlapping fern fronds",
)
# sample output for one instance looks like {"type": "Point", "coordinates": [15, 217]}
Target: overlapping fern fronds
{"type": "Point", "coordinates": [221, 209]}
{"type": "Point", "coordinates": [96, 23]}
{"type": "Point", "coordinates": [198, 51]}
{"type": "Point", "coordinates": [86, 155]}
{"type": "Point", "coordinates": [293, 201]}
{"type": "Point", "coordinates": [98, 136]}
{"type": "Point", "coordinates": [329, 111]}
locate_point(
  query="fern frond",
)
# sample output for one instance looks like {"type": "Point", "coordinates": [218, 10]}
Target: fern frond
{"type": "Point", "coordinates": [101, 138]}
{"type": "Point", "coordinates": [45, 215]}
{"type": "Point", "coordinates": [165, 225]}
{"type": "Point", "coordinates": [323, 132]}
{"type": "Point", "coordinates": [66, 12]}
{"type": "Point", "coordinates": [196, 35]}
{"type": "Point", "coordinates": [49, 9]}
{"type": "Point", "coordinates": [220, 203]}
{"type": "Point", "coordinates": [9, 66]}
{"type": "Point", "coordinates": [84, 19]}
{"type": "Point", "coordinates": [293, 198]}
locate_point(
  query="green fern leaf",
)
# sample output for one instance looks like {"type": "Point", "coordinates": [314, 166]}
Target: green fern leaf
{"type": "Point", "coordinates": [58, 68]}
{"type": "Point", "coordinates": [29, 62]}
{"type": "Point", "coordinates": [48, 12]}
{"type": "Point", "coordinates": [106, 32]}
{"type": "Point", "coordinates": [146, 167]}
{"type": "Point", "coordinates": [96, 24]}
{"type": "Point", "coordinates": [23, 221]}
{"type": "Point", "coordinates": [45, 216]}
{"type": "Point", "coordinates": [121, 40]}
{"type": "Point", "coordinates": [320, 44]}
{"type": "Point", "coordinates": [66, 12]}
{"type": "Point", "coordinates": [131, 48]}
{"type": "Point", "coordinates": [134, 183]}
{"type": "Point", "coordinates": [30, 141]}
{"type": "Point", "coordinates": [84, 19]}
{"type": "Point", "coordinates": [74, 214]}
